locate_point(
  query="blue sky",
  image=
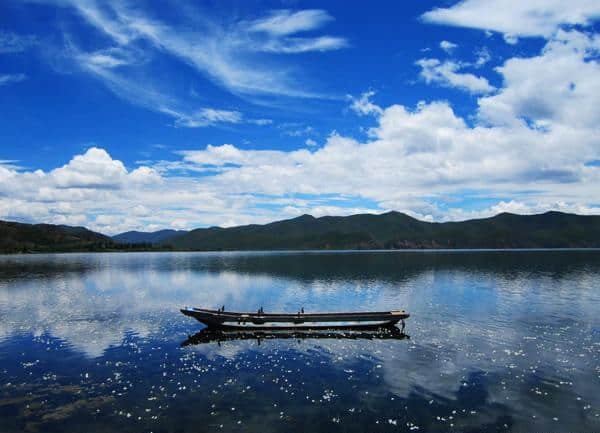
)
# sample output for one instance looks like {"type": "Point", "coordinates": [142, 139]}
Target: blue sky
{"type": "Point", "coordinates": [122, 115]}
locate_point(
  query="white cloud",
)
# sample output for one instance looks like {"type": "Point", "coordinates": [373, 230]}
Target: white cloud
{"type": "Point", "coordinates": [483, 56]}
{"type": "Point", "coordinates": [510, 39]}
{"type": "Point", "coordinates": [515, 18]}
{"type": "Point", "coordinates": [229, 154]}
{"type": "Point", "coordinates": [412, 150]}
{"type": "Point", "coordinates": [560, 88]}
{"type": "Point", "coordinates": [303, 45]}
{"type": "Point", "coordinates": [261, 122]}
{"type": "Point", "coordinates": [8, 164]}
{"type": "Point", "coordinates": [285, 22]}
{"type": "Point", "coordinates": [224, 53]}
{"type": "Point", "coordinates": [206, 117]}
{"type": "Point", "coordinates": [94, 169]}
{"type": "Point", "coordinates": [526, 150]}
{"type": "Point", "coordinates": [11, 78]}
{"type": "Point", "coordinates": [299, 132]}
{"type": "Point", "coordinates": [448, 46]}
{"type": "Point", "coordinates": [145, 93]}
{"type": "Point", "coordinates": [106, 60]}
{"type": "Point", "coordinates": [14, 43]}
{"type": "Point", "coordinates": [446, 74]}
{"type": "Point", "coordinates": [280, 24]}
{"type": "Point", "coordinates": [109, 58]}
{"type": "Point", "coordinates": [423, 154]}
{"type": "Point", "coordinates": [310, 142]}
{"type": "Point", "coordinates": [363, 105]}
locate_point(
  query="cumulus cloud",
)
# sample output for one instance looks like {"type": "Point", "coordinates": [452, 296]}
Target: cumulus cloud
{"type": "Point", "coordinates": [447, 74]}
{"type": "Point", "coordinates": [363, 105]}
{"type": "Point", "coordinates": [516, 18]}
{"type": "Point", "coordinates": [413, 153]}
{"type": "Point", "coordinates": [71, 194]}
{"type": "Point", "coordinates": [527, 149]}
{"type": "Point", "coordinates": [422, 154]}
{"type": "Point", "coordinates": [559, 89]}
{"type": "Point", "coordinates": [95, 168]}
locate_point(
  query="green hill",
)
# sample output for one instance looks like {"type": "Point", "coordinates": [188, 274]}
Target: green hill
{"type": "Point", "coordinates": [48, 238]}
{"type": "Point", "coordinates": [135, 237]}
{"type": "Point", "coordinates": [391, 230]}
{"type": "Point", "coordinates": [396, 230]}
{"type": "Point", "coordinates": [19, 237]}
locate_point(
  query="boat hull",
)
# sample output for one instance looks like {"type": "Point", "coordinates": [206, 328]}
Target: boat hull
{"type": "Point", "coordinates": [282, 321]}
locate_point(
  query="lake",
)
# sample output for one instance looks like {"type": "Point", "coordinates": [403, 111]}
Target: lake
{"type": "Point", "coordinates": [496, 341]}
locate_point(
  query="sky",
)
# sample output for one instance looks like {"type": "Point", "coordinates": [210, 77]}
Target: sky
{"type": "Point", "coordinates": [142, 115]}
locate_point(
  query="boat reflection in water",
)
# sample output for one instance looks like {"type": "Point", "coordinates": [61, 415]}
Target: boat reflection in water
{"type": "Point", "coordinates": [209, 335]}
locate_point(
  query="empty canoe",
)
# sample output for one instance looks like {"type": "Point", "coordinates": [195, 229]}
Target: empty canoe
{"type": "Point", "coordinates": [261, 320]}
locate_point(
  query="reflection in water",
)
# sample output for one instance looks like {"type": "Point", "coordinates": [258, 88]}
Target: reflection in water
{"type": "Point", "coordinates": [209, 335]}
{"type": "Point", "coordinates": [499, 341]}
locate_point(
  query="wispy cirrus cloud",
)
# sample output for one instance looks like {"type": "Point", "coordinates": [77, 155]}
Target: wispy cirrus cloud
{"type": "Point", "coordinates": [286, 22]}
{"type": "Point", "coordinates": [206, 117]}
{"type": "Point", "coordinates": [6, 79]}
{"type": "Point", "coordinates": [303, 45]}
{"type": "Point", "coordinates": [144, 92]}
{"type": "Point", "coordinates": [110, 57]}
{"type": "Point", "coordinates": [296, 129]}
{"type": "Point", "coordinates": [534, 128]}
{"type": "Point", "coordinates": [243, 57]}
{"type": "Point", "coordinates": [278, 25]}
{"type": "Point", "coordinates": [261, 122]}
{"type": "Point", "coordinates": [226, 53]}
{"type": "Point", "coordinates": [15, 43]}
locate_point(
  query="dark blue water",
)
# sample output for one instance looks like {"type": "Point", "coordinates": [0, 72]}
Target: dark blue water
{"type": "Point", "coordinates": [497, 341]}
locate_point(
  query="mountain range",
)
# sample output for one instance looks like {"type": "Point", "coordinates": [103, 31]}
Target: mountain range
{"type": "Point", "coordinates": [392, 230]}
{"type": "Point", "coordinates": [395, 230]}
{"type": "Point", "coordinates": [135, 237]}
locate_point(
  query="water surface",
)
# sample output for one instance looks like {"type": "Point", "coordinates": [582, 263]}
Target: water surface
{"type": "Point", "coordinates": [498, 341]}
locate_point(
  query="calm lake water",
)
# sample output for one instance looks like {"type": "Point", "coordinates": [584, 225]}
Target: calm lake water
{"type": "Point", "coordinates": [498, 341]}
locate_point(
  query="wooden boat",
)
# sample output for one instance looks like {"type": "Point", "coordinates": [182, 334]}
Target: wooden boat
{"type": "Point", "coordinates": [260, 320]}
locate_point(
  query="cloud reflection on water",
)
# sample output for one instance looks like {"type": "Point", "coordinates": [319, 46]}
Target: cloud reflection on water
{"type": "Point", "coordinates": [502, 323]}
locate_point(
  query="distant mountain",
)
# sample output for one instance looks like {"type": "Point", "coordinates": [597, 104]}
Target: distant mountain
{"type": "Point", "coordinates": [397, 230]}
{"type": "Point", "coordinates": [134, 237]}
{"type": "Point", "coordinates": [392, 230]}
{"type": "Point", "coordinates": [19, 237]}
